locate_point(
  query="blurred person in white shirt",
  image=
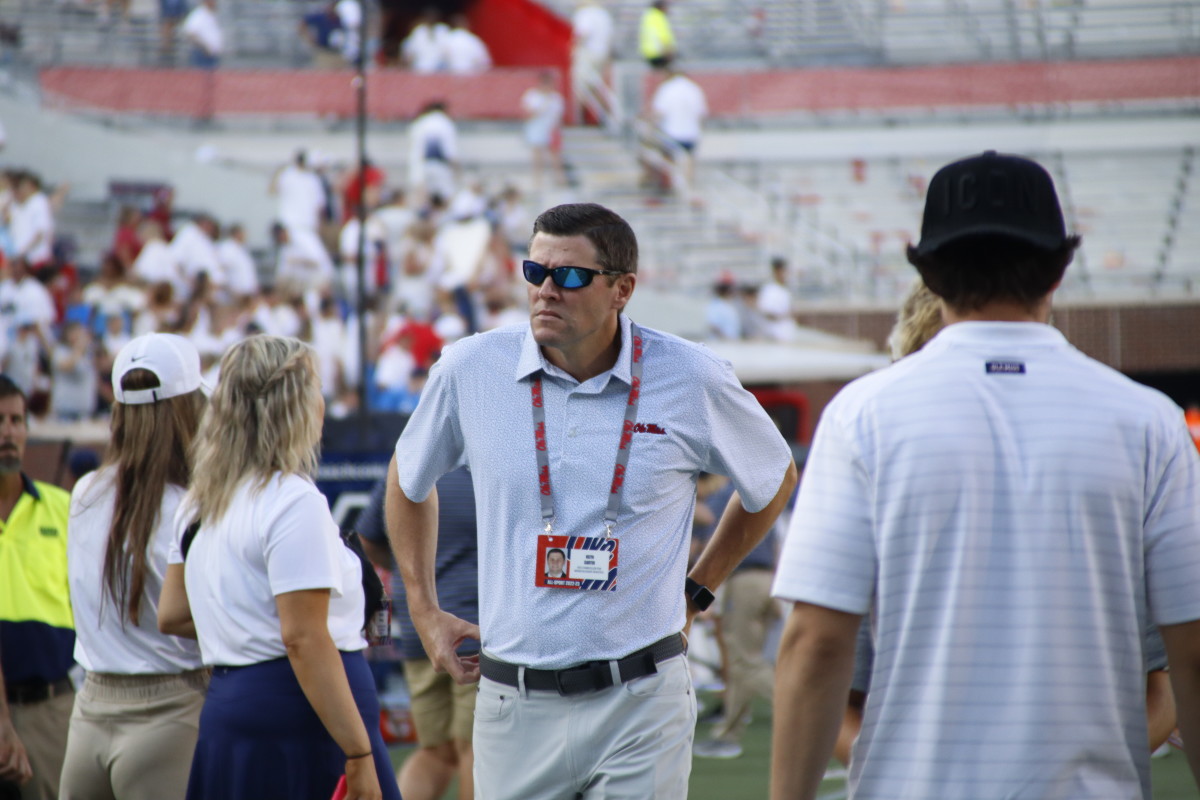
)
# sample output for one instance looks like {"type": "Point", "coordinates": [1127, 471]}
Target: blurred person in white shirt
{"type": "Point", "coordinates": [461, 254]}
{"type": "Point", "coordinates": [156, 263]}
{"type": "Point", "coordinates": [374, 250]}
{"type": "Point", "coordinates": [301, 193]}
{"type": "Point", "coordinates": [396, 218]}
{"type": "Point", "coordinates": [424, 48]}
{"type": "Point", "coordinates": [331, 342]}
{"type": "Point", "coordinates": [592, 31]}
{"type": "Point", "coordinates": [111, 294]}
{"type": "Point", "coordinates": [31, 222]}
{"type": "Point", "coordinates": [241, 273]}
{"type": "Point", "coordinates": [202, 29]}
{"type": "Point", "coordinates": [24, 296]}
{"type": "Point", "coordinates": [161, 311]}
{"type": "Point", "coordinates": [350, 14]}
{"type": "Point", "coordinates": [303, 263]}
{"type": "Point", "coordinates": [466, 54]}
{"type": "Point", "coordinates": [543, 108]}
{"type": "Point", "coordinates": [591, 47]}
{"type": "Point", "coordinates": [194, 250]}
{"type": "Point", "coordinates": [433, 152]}
{"type": "Point", "coordinates": [413, 289]}
{"type": "Point", "coordinates": [774, 302]}
{"type": "Point", "coordinates": [679, 107]}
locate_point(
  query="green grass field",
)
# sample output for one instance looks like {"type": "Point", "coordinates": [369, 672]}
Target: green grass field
{"type": "Point", "coordinates": [746, 778]}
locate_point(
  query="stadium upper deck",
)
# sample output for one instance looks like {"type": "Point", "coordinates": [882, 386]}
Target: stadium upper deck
{"type": "Point", "coordinates": [261, 33]}
{"type": "Point", "coordinates": [842, 214]}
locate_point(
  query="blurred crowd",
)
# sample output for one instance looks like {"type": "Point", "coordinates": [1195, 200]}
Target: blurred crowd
{"type": "Point", "coordinates": [438, 264]}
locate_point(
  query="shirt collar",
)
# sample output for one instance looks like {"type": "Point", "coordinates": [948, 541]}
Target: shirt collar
{"type": "Point", "coordinates": [30, 487]}
{"type": "Point", "coordinates": [994, 333]}
{"type": "Point", "coordinates": [532, 360]}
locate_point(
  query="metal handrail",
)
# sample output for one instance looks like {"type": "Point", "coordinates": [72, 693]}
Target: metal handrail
{"type": "Point", "coordinates": [653, 145]}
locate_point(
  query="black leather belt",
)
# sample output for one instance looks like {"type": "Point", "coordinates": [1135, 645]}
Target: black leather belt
{"type": "Point", "coordinates": [20, 694]}
{"type": "Point", "coordinates": [589, 677]}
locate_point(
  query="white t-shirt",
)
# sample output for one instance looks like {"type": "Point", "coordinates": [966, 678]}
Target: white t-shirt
{"type": "Point", "coordinates": [26, 221]}
{"type": "Point", "coordinates": [30, 302]}
{"type": "Point", "coordinates": [118, 299]}
{"type": "Point", "coordinates": [273, 541]}
{"type": "Point", "coordinates": [330, 343]}
{"type": "Point", "coordinates": [396, 220]}
{"type": "Point", "coordinates": [774, 302]}
{"type": "Point", "coordinates": [593, 30]}
{"type": "Point", "coordinates": [466, 54]}
{"type": "Point", "coordinates": [1011, 513]}
{"type": "Point", "coordinates": [431, 137]}
{"type": "Point", "coordinates": [349, 13]}
{"type": "Point", "coordinates": [543, 114]}
{"type": "Point", "coordinates": [194, 252]}
{"type": "Point", "coordinates": [679, 105]}
{"type": "Point", "coordinates": [202, 27]}
{"type": "Point", "coordinates": [301, 198]}
{"type": "Point", "coordinates": [348, 241]}
{"type": "Point", "coordinates": [241, 274]}
{"type": "Point", "coordinates": [105, 639]}
{"type": "Point", "coordinates": [424, 49]}
{"type": "Point", "coordinates": [304, 261]}
{"type": "Point", "coordinates": [156, 264]}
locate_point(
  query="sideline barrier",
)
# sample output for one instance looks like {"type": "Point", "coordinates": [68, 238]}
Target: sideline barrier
{"type": "Point", "coordinates": [1024, 84]}
{"type": "Point", "coordinates": [391, 95]}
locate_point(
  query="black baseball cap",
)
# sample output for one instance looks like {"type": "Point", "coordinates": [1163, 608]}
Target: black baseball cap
{"type": "Point", "coordinates": [992, 194]}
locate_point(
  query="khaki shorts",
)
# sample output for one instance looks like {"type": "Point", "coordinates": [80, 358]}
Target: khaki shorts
{"type": "Point", "coordinates": [441, 709]}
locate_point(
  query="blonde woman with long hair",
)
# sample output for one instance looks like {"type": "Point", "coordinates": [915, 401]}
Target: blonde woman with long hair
{"type": "Point", "coordinates": [134, 725]}
{"type": "Point", "coordinates": [275, 597]}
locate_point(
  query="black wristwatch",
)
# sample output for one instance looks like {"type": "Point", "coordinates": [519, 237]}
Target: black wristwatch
{"type": "Point", "coordinates": [700, 595]}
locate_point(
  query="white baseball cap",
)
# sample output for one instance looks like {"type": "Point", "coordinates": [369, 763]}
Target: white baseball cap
{"type": "Point", "coordinates": [173, 359]}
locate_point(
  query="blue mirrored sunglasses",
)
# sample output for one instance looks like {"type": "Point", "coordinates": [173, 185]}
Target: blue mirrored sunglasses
{"type": "Point", "coordinates": [563, 277]}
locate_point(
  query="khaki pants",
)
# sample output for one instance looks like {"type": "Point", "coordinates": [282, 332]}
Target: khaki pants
{"type": "Point", "coordinates": [441, 709]}
{"type": "Point", "coordinates": [43, 730]}
{"type": "Point", "coordinates": [747, 611]}
{"type": "Point", "coordinates": [626, 742]}
{"type": "Point", "coordinates": [132, 736]}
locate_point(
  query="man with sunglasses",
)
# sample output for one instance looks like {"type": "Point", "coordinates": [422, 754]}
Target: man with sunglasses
{"type": "Point", "coordinates": [584, 433]}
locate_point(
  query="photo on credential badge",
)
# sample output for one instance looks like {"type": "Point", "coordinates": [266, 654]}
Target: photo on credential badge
{"type": "Point", "coordinates": [576, 562]}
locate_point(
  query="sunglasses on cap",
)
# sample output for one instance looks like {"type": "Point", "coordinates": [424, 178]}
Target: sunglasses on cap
{"type": "Point", "coordinates": [563, 277]}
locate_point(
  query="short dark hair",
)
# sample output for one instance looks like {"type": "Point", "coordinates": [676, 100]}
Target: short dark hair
{"type": "Point", "coordinates": [10, 389]}
{"type": "Point", "coordinates": [556, 550]}
{"type": "Point", "coordinates": [615, 243]}
{"type": "Point", "coordinates": [971, 272]}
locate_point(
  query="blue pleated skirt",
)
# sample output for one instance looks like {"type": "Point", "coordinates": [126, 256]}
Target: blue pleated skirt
{"type": "Point", "coordinates": [260, 739]}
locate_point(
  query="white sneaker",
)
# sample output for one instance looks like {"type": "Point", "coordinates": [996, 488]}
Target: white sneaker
{"type": "Point", "coordinates": [715, 748]}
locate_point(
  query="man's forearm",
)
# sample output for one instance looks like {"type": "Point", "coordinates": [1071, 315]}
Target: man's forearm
{"type": "Point", "coordinates": [1183, 654]}
{"type": "Point", "coordinates": [738, 532]}
{"type": "Point", "coordinates": [412, 532]}
{"type": "Point", "coordinates": [812, 683]}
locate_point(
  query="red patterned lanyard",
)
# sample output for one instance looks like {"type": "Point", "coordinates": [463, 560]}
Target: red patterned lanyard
{"type": "Point", "coordinates": [623, 447]}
